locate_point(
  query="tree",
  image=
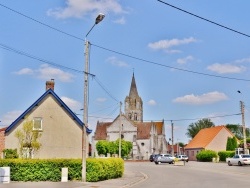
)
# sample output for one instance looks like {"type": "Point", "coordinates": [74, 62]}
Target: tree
{"type": "Point", "coordinates": [237, 130]}
{"type": "Point", "coordinates": [231, 144]}
{"type": "Point", "coordinates": [104, 147]}
{"type": "Point", "coordinates": [194, 128]}
{"type": "Point", "coordinates": [28, 140]}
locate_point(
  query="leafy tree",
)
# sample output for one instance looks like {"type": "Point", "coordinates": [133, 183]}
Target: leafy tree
{"type": "Point", "coordinates": [28, 140]}
{"type": "Point", "coordinates": [104, 147]}
{"type": "Point", "coordinates": [237, 130]}
{"type": "Point", "coordinates": [231, 144]}
{"type": "Point", "coordinates": [194, 128]}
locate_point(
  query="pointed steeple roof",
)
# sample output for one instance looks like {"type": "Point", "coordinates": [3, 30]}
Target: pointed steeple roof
{"type": "Point", "coordinates": [133, 89]}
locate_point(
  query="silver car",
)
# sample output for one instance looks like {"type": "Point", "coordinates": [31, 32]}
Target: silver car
{"type": "Point", "coordinates": [164, 158]}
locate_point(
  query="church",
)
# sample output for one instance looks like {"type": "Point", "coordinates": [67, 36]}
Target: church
{"type": "Point", "coordinates": [147, 137]}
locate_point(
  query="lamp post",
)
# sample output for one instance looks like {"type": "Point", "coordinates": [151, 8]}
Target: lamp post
{"type": "Point", "coordinates": [99, 18]}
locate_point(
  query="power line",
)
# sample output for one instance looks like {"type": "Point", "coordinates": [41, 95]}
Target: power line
{"type": "Point", "coordinates": [38, 58]}
{"type": "Point", "coordinates": [140, 59]}
{"type": "Point", "coordinates": [158, 64]}
{"type": "Point", "coordinates": [46, 25]}
{"type": "Point", "coordinates": [211, 117]}
{"type": "Point", "coordinates": [225, 27]}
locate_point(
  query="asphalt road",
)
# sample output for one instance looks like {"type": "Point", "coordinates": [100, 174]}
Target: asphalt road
{"type": "Point", "coordinates": [192, 175]}
{"type": "Point", "coordinates": [148, 175]}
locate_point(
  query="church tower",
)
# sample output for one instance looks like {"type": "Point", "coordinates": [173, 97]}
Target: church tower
{"type": "Point", "coordinates": [134, 104]}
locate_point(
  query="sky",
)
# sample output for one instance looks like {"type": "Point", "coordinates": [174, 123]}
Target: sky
{"type": "Point", "coordinates": [189, 58]}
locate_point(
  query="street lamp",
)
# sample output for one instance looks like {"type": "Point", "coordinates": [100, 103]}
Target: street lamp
{"type": "Point", "coordinates": [99, 18]}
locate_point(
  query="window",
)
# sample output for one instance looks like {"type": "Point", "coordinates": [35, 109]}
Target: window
{"type": "Point", "coordinates": [37, 123]}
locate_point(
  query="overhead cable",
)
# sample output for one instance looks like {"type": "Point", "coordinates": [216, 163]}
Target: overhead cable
{"type": "Point", "coordinates": [225, 27]}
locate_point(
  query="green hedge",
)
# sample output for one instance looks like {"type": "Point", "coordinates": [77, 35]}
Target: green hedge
{"type": "Point", "coordinates": [50, 169]}
{"type": "Point", "coordinates": [225, 154]}
{"type": "Point", "coordinates": [206, 155]}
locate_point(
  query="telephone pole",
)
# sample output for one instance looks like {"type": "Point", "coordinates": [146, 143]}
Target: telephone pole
{"type": "Point", "coordinates": [172, 131]}
{"type": "Point", "coordinates": [242, 108]}
{"type": "Point", "coordinates": [120, 131]}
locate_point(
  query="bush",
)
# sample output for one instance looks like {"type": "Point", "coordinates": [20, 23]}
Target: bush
{"type": "Point", "coordinates": [10, 153]}
{"type": "Point", "coordinates": [225, 154]}
{"type": "Point", "coordinates": [50, 169]}
{"type": "Point", "coordinates": [206, 155]}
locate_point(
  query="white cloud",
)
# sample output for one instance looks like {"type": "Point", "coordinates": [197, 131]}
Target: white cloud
{"type": "Point", "coordinates": [114, 61]}
{"type": "Point", "coordinates": [25, 71]}
{"type": "Point", "coordinates": [101, 100]}
{"type": "Point", "coordinates": [80, 8]}
{"type": "Point", "coordinates": [72, 104]}
{"type": "Point", "coordinates": [185, 59]}
{"type": "Point", "coordinates": [207, 98]}
{"type": "Point", "coordinates": [226, 68]}
{"type": "Point", "coordinates": [10, 117]}
{"type": "Point", "coordinates": [120, 21]}
{"type": "Point", "coordinates": [244, 60]}
{"type": "Point", "coordinates": [166, 44]}
{"type": "Point", "coordinates": [46, 72]}
{"type": "Point", "coordinates": [152, 102]}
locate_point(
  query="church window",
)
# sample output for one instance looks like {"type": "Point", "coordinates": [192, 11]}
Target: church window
{"type": "Point", "coordinates": [142, 144]}
{"type": "Point", "coordinates": [135, 117]}
{"type": "Point", "coordinates": [129, 116]}
{"type": "Point", "coordinates": [134, 138]}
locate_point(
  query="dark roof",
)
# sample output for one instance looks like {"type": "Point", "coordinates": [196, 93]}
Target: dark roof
{"type": "Point", "coordinates": [35, 104]}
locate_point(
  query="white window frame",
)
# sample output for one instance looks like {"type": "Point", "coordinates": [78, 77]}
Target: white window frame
{"type": "Point", "coordinates": [35, 119]}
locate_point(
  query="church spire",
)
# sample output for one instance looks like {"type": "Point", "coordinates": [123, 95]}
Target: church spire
{"type": "Point", "coordinates": [133, 103]}
{"type": "Point", "coordinates": [133, 89]}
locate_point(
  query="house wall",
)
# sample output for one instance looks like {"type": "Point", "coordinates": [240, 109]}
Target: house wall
{"type": "Point", "coordinates": [2, 142]}
{"type": "Point", "coordinates": [219, 143]}
{"type": "Point", "coordinates": [191, 153]}
{"type": "Point", "coordinates": [61, 136]}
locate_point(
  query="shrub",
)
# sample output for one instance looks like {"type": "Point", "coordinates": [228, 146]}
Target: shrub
{"type": "Point", "coordinates": [225, 154]}
{"type": "Point", "coordinates": [50, 169]}
{"type": "Point", "coordinates": [206, 155]}
{"type": "Point", "coordinates": [10, 153]}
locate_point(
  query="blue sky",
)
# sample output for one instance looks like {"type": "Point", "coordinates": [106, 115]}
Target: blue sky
{"type": "Point", "coordinates": [186, 68]}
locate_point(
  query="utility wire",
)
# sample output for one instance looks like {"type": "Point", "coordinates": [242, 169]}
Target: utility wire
{"type": "Point", "coordinates": [185, 70]}
{"type": "Point", "coordinates": [38, 58]}
{"type": "Point", "coordinates": [158, 64]}
{"type": "Point", "coordinates": [225, 27]}
{"type": "Point", "coordinates": [205, 117]}
{"type": "Point", "coordinates": [46, 25]}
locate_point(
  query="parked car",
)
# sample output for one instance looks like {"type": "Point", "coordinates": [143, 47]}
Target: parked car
{"type": "Point", "coordinates": [164, 158]}
{"type": "Point", "coordinates": [152, 157]}
{"type": "Point", "coordinates": [242, 159]}
{"type": "Point", "coordinates": [182, 158]}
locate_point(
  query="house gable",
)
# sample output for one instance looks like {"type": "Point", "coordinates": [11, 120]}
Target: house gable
{"type": "Point", "coordinates": [38, 102]}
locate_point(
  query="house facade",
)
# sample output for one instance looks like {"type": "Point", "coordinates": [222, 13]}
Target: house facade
{"type": "Point", "coordinates": [60, 128]}
{"type": "Point", "coordinates": [147, 137]}
{"type": "Point", "coordinates": [214, 138]}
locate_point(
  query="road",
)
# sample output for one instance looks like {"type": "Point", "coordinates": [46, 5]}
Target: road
{"type": "Point", "coordinates": [192, 175]}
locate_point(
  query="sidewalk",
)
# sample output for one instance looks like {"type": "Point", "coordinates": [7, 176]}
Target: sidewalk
{"type": "Point", "coordinates": [129, 178]}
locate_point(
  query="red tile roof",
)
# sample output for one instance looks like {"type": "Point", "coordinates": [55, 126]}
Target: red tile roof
{"type": "Point", "coordinates": [101, 130]}
{"type": "Point", "coordinates": [205, 136]}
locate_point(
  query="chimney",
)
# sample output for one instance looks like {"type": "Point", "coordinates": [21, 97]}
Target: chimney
{"type": "Point", "coordinates": [50, 84]}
